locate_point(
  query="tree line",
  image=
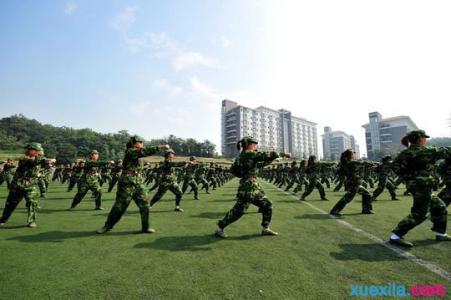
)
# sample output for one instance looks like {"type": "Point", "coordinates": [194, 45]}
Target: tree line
{"type": "Point", "coordinates": [66, 144]}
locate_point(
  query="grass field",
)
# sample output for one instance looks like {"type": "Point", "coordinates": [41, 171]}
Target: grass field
{"type": "Point", "coordinates": [5, 154]}
{"type": "Point", "coordinates": [314, 257]}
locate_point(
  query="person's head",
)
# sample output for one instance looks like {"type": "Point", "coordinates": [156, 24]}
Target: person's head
{"type": "Point", "coordinates": [81, 163]}
{"type": "Point", "coordinates": [386, 159]}
{"type": "Point", "coordinates": [247, 143]}
{"type": "Point", "coordinates": [94, 155]}
{"type": "Point", "coordinates": [169, 154]}
{"type": "Point", "coordinates": [192, 159]}
{"type": "Point", "coordinates": [347, 155]}
{"type": "Point", "coordinates": [304, 162]}
{"type": "Point", "coordinates": [136, 142]}
{"type": "Point", "coordinates": [312, 159]}
{"type": "Point", "coordinates": [34, 149]}
{"type": "Point", "coordinates": [415, 137]}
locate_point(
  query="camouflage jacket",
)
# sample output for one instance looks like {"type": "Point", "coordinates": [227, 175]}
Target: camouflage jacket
{"type": "Point", "coordinates": [416, 164]}
{"type": "Point", "coordinates": [28, 170]}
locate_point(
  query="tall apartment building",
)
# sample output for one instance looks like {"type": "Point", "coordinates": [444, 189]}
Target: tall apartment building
{"type": "Point", "coordinates": [383, 136]}
{"type": "Point", "coordinates": [276, 130]}
{"type": "Point", "coordinates": [335, 142]}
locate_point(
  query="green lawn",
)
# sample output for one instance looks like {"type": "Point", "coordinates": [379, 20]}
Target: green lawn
{"type": "Point", "coordinates": [5, 154]}
{"type": "Point", "coordinates": [314, 257]}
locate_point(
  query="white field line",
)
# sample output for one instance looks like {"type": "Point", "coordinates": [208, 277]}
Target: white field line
{"type": "Point", "coordinates": [405, 254]}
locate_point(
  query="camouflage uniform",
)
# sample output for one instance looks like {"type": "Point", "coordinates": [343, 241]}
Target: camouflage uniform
{"type": "Point", "coordinates": [90, 181]}
{"type": "Point", "coordinates": [445, 172]}
{"type": "Point", "coordinates": [168, 181]}
{"type": "Point", "coordinates": [24, 185]}
{"type": "Point", "coordinates": [7, 174]}
{"type": "Point", "coordinates": [116, 174]}
{"type": "Point", "coordinates": [188, 179]}
{"type": "Point", "coordinates": [383, 171]}
{"type": "Point", "coordinates": [352, 171]}
{"type": "Point", "coordinates": [312, 172]}
{"type": "Point", "coordinates": [415, 165]}
{"type": "Point", "coordinates": [249, 190]}
{"type": "Point", "coordinates": [131, 187]}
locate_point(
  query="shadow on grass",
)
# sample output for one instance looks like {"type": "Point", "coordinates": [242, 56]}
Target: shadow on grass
{"type": "Point", "coordinates": [314, 217]}
{"type": "Point", "coordinates": [51, 211]}
{"type": "Point", "coordinates": [422, 243]}
{"type": "Point", "coordinates": [218, 215]}
{"type": "Point", "coordinates": [189, 243]}
{"type": "Point", "coordinates": [365, 252]}
{"type": "Point", "coordinates": [60, 236]}
{"type": "Point", "coordinates": [14, 226]}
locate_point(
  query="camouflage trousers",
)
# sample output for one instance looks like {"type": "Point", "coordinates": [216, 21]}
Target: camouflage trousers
{"type": "Point", "coordinates": [382, 184]}
{"type": "Point", "coordinates": [204, 182]}
{"type": "Point", "coordinates": [126, 192]}
{"type": "Point", "coordinates": [72, 182]}
{"type": "Point", "coordinates": [351, 191]}
{"type": "Point", "coordinates": [192, 183]}
{"type": "Point", "coordinates": [43, 185]}
{"type": "Point", "coordinates": [83, 187]}
{"type": "Point", "coordinates": [27, 190]}
{"type": "Point", "coordinates": [249, 192]}
{"type": "Point", "coordinates": [163, 188]}
{"type": "Point", "coordinates": [445, 194]}
{"type": "Point", "coordinates": [423, 202]}
{"type": "Point", "coordinates": [6, 177]}
{"type": "Point", "coordinates": [314, 183]}
{"type": "Point", "coordinates": [113, 182]}
{"type": "Point", "coordinates": [240, 207]}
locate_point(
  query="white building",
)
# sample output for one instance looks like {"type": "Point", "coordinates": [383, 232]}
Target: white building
{"type": "Point", "coordinates": [336, 142]}
{"type": "Point", "coordinates": [383, 136]}
{"type": "Point", "coordinates": [274, 129]}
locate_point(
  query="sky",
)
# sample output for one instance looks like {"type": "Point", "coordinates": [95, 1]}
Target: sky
{"type": "Point", "coordinates": [156, 68]}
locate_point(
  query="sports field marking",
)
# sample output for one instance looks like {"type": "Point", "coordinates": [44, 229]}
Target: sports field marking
{"type": "Point", "coordinates": [407, 255]}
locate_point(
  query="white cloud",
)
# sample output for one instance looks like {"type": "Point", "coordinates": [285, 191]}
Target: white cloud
{"type": "Point", "coordinates": [184, 60]}
{"type": "Point", "coordinates": [125, 19]}
{"type": "Point", "coordinates": [226, 43]}
{"type": "Point", "coordinates": [204, 90]}
{"type": "Point", "coordinates": [165, 85]}
{"type": "Point", "coordinates": [160, 44]}
{"type": "Point", "coordinates": [70, 8]}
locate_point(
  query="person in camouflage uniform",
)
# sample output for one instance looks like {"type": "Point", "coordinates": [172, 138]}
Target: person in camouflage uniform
{"type": "Point", "coordinates": [76, 173]}
{"type": "Point", "coordinates": [24, 184]}
{"type": "Point", "coordinates": [416, 165]}
{"type": "Point", "coordinates": [249, 190]}
{"type": "Point", "coordinates": [66, 173]}
{"type": "Point", "coordinates": [352, 170]}
{"type": "Point", "coordinates": [444, 170]}
{"type": "Point", "coordinates": [301, 177]}
{"type": "Point", "coordinates": [188, 178]}
{"type": "Point", "coordinates": [312, 171]}
{"type": "Point", "coordinates": [131, 185]}
{"type": "Point", "coordinates": [115, 174]}
{"type": "Point", "coordinates": [199, 176]}
{"type": "Point", "coordinates": [7, 173]}
{"type": "Point", "coordinates": [383, 171]}
{"type": "Point", "coordinates": [89, 180]}
{"type": "Point", "coordinates": [168, 180]}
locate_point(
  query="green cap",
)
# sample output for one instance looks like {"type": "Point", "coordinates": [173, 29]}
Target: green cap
{"type": "Point", "coordinates": [416, 134]}
{"type": "Point", "coordinates": [167, 152]}
{"type": "Point", "coordinates": [35, 146]}
{"type": "Point", "coordinates": [94, 152]}
{"type": "Point", "coordinates": [136, 139]}
{"type": "Point", "coordinates": [249, 140]}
